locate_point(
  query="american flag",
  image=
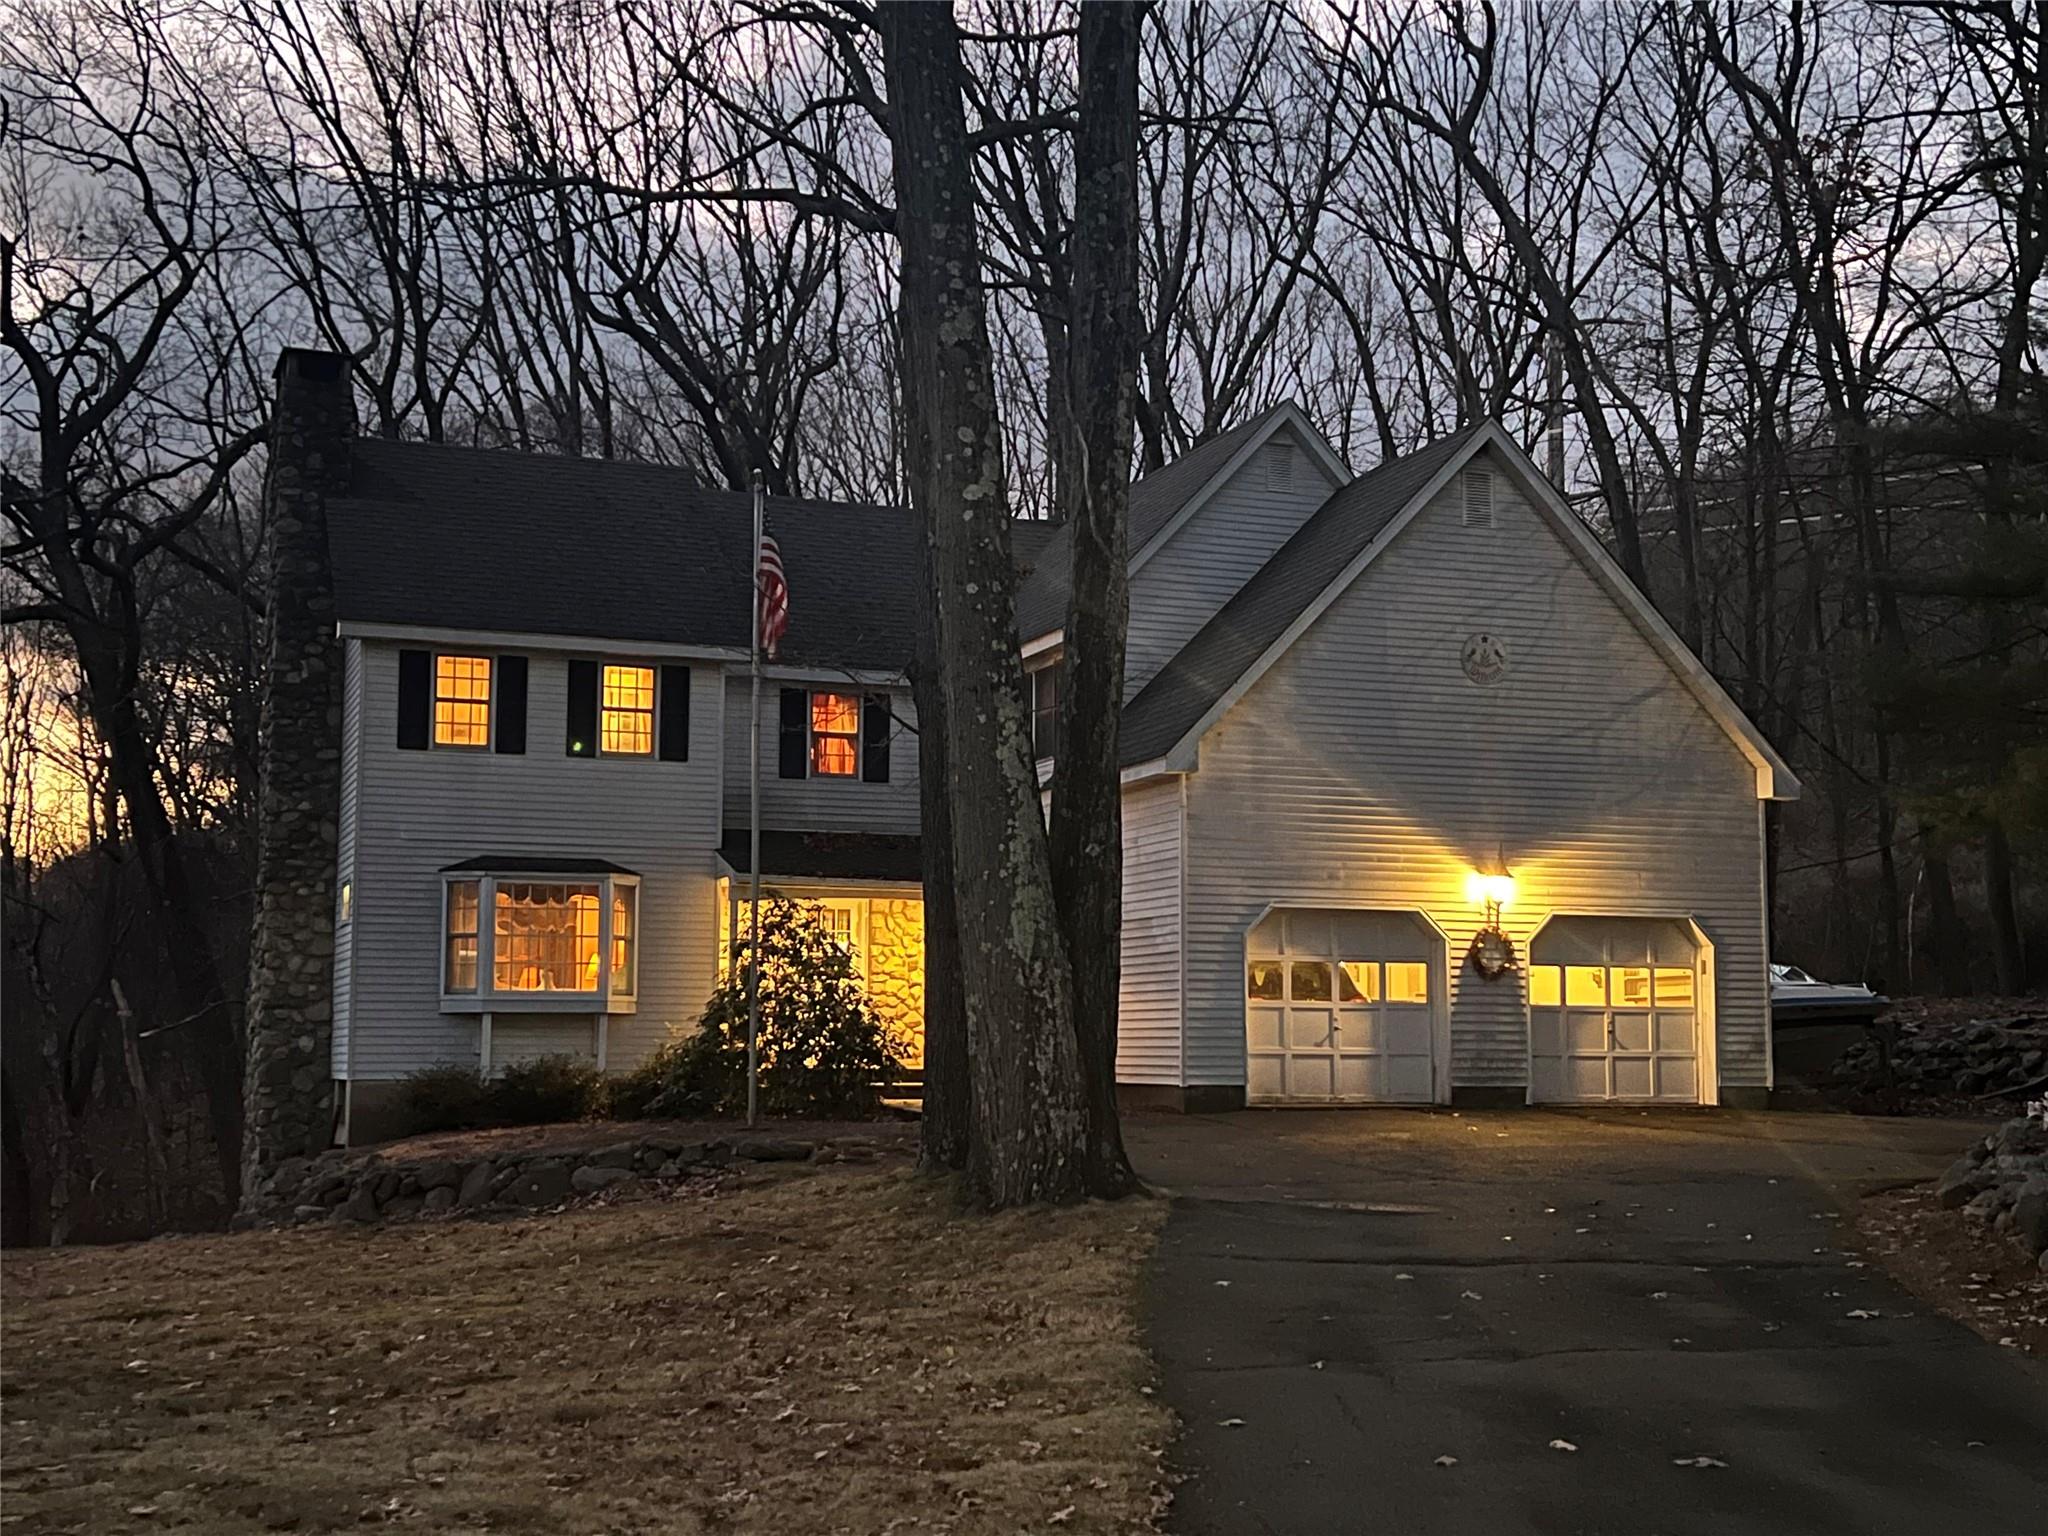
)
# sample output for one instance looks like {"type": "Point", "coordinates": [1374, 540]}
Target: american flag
{"type": "Point", "coordinates": [773, 587]}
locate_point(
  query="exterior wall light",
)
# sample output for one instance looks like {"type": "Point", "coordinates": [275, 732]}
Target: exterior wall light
{"type": "Point", "coordinates": [1491, 892]}
{"type": "Point", "coordinates": [1493, 952]}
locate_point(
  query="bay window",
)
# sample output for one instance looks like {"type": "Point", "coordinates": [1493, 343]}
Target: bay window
{"type": "Point", "coordinates": [531, 938]}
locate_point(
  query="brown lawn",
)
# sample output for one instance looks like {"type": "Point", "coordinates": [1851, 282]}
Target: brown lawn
{"type": "Point", "coordinates": [788, 1352]}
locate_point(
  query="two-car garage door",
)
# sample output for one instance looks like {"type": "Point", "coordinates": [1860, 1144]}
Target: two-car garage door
{"type": "Point", "coordinates": [1350, 1007]}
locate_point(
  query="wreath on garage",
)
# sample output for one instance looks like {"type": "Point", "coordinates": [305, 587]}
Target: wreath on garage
{"type": "Point", "coordinates": [1493, 952]}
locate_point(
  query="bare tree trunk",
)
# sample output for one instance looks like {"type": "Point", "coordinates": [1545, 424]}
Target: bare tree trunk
{"type": "Point", "coordinates": [1087, 791]}
{"type": "Point", "coordinates": [1029, 1127]}
{"type": "Point", "coordinates": [1951, 964]}
{"type": "Point", "coordinates": [945, 1127]}
{"type": "Point", "coordinates": [2007, 949]}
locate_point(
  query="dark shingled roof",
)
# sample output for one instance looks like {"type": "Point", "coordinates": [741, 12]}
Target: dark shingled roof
{"type": "Point", "coordinates": [1155, 500]}
{"type": "Point", "coordinates": [1209, 665]}
{"type": "Point", "coordinates": [467, 538]}
{"type": "Point", "coordinates": [827, 855]}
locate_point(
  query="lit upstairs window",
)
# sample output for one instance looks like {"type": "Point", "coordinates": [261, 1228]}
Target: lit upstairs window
{"type": "Point", "coordinates": [626, 725]}
{"type": "Point", "coordinates": [462, 701]}
{"type": "Point", "coordinates": [835, 735]}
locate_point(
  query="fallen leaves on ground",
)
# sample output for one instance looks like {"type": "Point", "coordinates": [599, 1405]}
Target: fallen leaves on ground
{"type": "Point", "coordinates": [811, 1352]}
{"type": "Point", "coordinates": [1959, 1266]}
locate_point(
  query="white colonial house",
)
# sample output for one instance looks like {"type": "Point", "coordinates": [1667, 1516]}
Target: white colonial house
{"type": "Point", "coordinates": [1423, 801]}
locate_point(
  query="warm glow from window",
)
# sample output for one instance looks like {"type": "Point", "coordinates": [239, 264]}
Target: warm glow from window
{"type": "Point", "coordinates": [1585, 986]}
{"type": "Point", "coordinates": [1407, 981]}
{"type": "Point", "coordinates": [1358, 981]}
{"type": "Point", "coordinates": [1262, 981]}
{"type": "Point", "coordinates": [1613, 986]}
{"type": "Point", "coordinates": [625, 726]}
{"type": "Point", "coordinates": [544, 938]}
{"type": "Point", "coordinates": [1629, 986]}
{"type": "Point", "coordinates": [624, 900]}
{"type": "Point", "coordinates": [1674, 987]}
{"type": "Point", "coordinates": [462, 701]}
{"type": "Point", "coordinates": [462, 936]}
{"type": "Point", "coordinates": [1482, 889]}
{"type": "Point", "coordinates": [835, 735]}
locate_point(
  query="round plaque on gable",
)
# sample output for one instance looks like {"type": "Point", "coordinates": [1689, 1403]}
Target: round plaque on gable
{"type": "Point", "coordinates": [1485, 658]}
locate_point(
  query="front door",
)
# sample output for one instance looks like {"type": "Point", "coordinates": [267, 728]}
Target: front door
{"type": "Point", "coordinates": [1341, 1007]}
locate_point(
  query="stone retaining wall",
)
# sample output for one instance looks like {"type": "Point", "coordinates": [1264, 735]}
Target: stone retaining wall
{"type": "Point", "coordinates": [2002, 1181]}
{"type": "Point", "coordinates": [337, 1186]}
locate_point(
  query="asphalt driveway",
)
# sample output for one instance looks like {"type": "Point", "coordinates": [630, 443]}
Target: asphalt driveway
{"type": "Point", "coordinates": [1381, 1321]}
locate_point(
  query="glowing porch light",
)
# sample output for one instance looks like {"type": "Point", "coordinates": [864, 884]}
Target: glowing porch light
{"type": "Point", "coordinates": [1491, 891]}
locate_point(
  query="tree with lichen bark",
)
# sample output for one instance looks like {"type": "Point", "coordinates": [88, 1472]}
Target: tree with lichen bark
{"type": "Point", "coordinates": [1029, 1127]}
{"type": "Point", "coordinates": [1095, 440]}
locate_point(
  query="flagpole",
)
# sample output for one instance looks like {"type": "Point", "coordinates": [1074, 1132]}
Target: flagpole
{"type": "Point", "coordinates": [754, 828]}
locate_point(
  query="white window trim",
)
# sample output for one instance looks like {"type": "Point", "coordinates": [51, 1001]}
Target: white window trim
{"type": "Point", "coordinates": [488, 999]}
{"type": "Point", "coordinates": [434, 741]}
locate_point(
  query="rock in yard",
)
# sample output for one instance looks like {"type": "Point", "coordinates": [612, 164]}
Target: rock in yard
{"type": "Point", "coordinates": [767, 1149]}
{"type": "Point", "coordinates": [360, 1206]}
{"type": "Point", "coordinates": [542, 1183]}
{"type": "Point", "coordinates": [439, 1198]}
{"type": "Point", "coordinates": [1962, 1183]}
{"type": "Point", "coordinates": [588, 1180]}
{"type": "Point", "coordinates": [2030, 1216]}
{"type": "Point", "coordinates": [442, 1173]}
{"type": "Point", "coordinates": [619, 1156]}
{"type": "Point", "coordinates": [476, 1184]}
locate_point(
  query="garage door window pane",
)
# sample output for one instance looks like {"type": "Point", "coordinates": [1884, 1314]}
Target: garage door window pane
{"type": "Point", "coordinates": [1631, 986]}
{"type": "Point", "coordinates": [1585, 986]}
{"type": "Point", "coordinates": [1546, 986]}
{"type": "Point", "coordinates": [1358, 981]}
{"type": "Point", "coordinates": [1674, 988]}
{"type": "Point", "coordinates": [1262, 981]}
{"type": "Point", "coordinates": [1407, 982]}
{"type": "Point", "coordinates": [1310, 980]}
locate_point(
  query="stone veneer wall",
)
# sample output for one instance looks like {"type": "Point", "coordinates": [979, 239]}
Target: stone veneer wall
{"type": "Point", "coordinates": [895, 960]}
{"type": "Point", "coordinates": [896, 969]}
{"type": "Point", "coordinates": [288, 1089]}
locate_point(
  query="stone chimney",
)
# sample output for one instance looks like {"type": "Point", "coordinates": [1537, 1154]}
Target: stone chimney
{"type": "Point", "coordinates": [288, 1091]}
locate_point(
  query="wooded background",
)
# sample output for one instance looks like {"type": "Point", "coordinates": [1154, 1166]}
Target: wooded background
{"type": "Point", "coordinates": [1758, 283]}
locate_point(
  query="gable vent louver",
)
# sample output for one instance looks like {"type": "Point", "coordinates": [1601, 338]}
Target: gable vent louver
{"type": "Point", "coordinates": [1478, 512]}
{"type": "Point", "coordinates": [1280, 467]}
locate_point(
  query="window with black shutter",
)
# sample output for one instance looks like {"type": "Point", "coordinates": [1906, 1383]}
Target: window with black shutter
{"type": "Point", "coordinates": [875, 727]}
{"type": "Point", "coordinates": [583, 704]}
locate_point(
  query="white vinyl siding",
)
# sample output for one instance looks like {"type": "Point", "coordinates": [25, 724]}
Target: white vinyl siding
{"type": "Point", "coordinates": [1365, 768]}
{"type": "Point", "coordinates": [422, 811]}
{"type": "Point", "coordinates": [345, 847]}
{"type": "Point", "coordinates": [843, 804]}
{"type": "Point", "coordinates": [1148, 1034]}
{"type": "Point", "coordinates": [1203, 563]}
